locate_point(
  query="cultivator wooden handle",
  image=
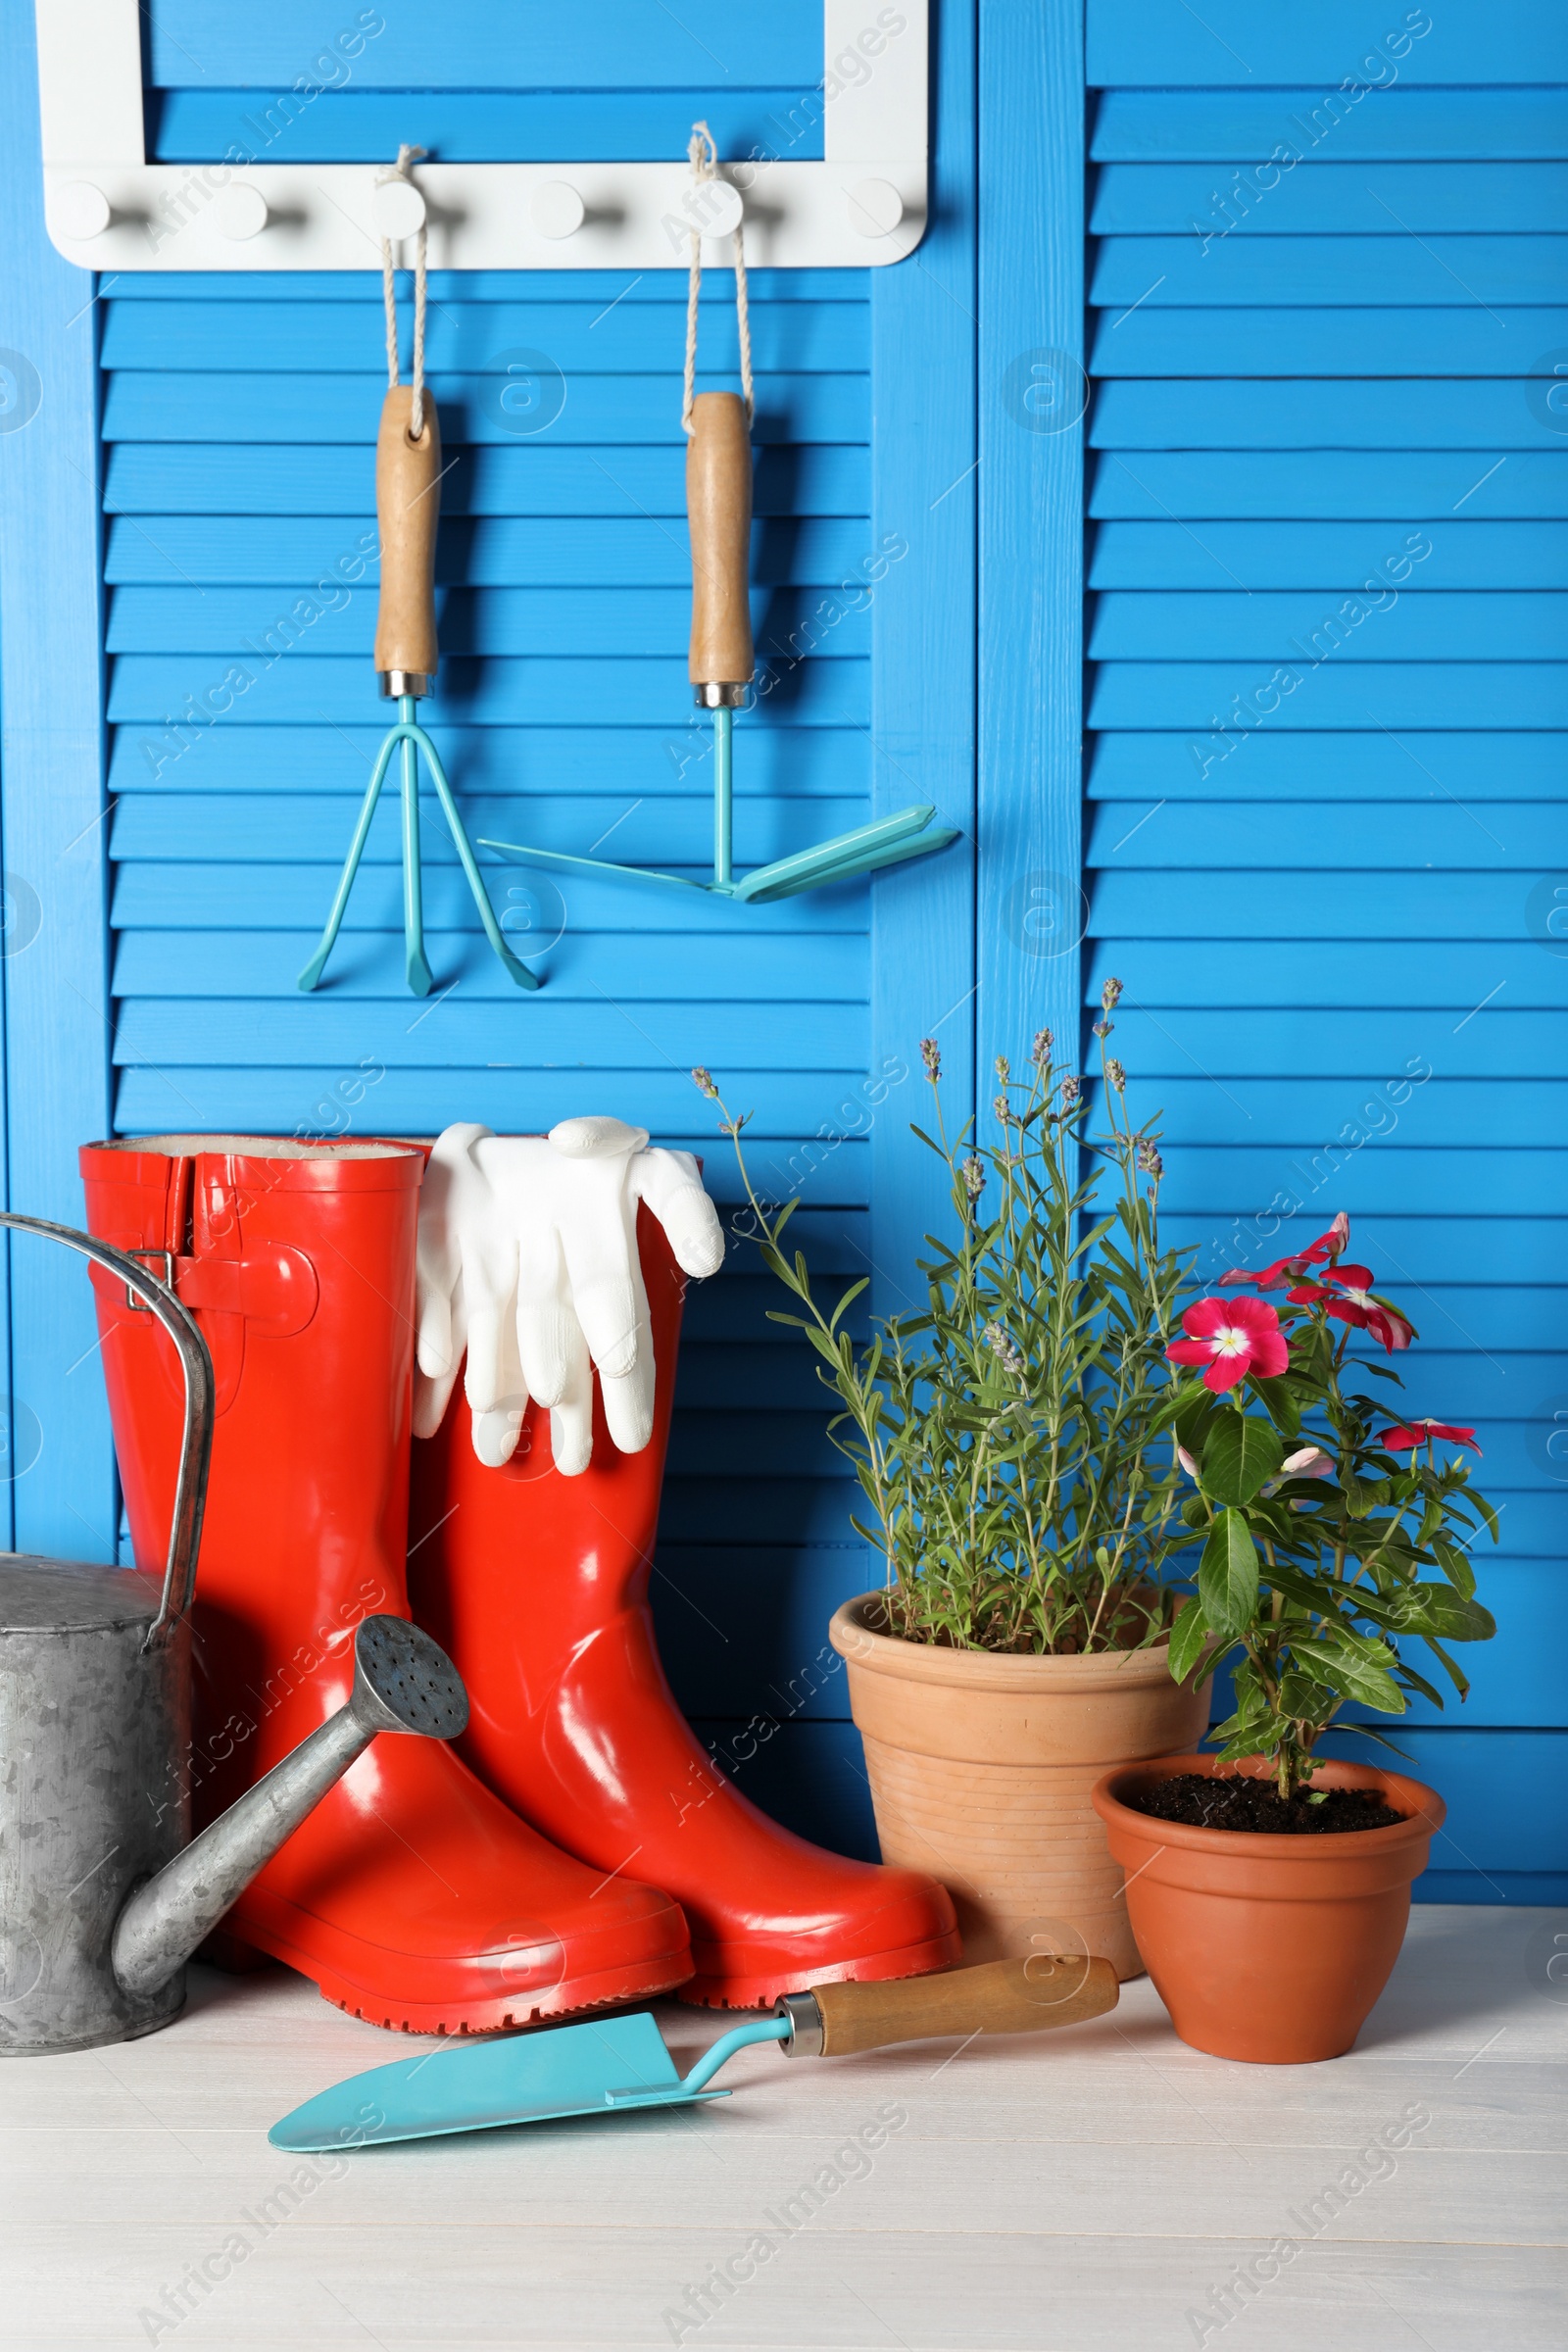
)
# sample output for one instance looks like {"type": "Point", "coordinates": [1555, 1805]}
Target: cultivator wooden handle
{"type": "Point", "coordinates": [408, 509]}
{"type": "Point", "coordinates": [719, 509]}
{"type": "Point", "coordinates": [1002, 1997]}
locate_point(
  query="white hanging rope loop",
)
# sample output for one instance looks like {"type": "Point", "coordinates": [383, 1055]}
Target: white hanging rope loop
{"type": "Point", "coordinates": [400, 171]}
{"type": "Point", "coordinates": [704, 157]}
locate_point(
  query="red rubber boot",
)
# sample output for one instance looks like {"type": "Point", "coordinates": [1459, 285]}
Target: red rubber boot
{"type": "Point", "coordinates": [412, 1895]}
{"type": "Point", "coordinates": [537, 1586]}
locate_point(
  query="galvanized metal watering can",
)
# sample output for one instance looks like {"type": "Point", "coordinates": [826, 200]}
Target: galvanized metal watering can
{"type": "Point", "coordinates": [104, 1894]}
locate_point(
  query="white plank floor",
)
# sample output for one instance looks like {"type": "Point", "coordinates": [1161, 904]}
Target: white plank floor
{"type": "Point", "coordinates": [1083, 2192]}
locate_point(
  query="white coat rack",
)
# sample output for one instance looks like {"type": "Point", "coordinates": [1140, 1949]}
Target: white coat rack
{"type": "Point", "coordinates": [109, 210]}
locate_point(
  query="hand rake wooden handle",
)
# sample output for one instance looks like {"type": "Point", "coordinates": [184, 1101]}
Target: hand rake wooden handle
{"type": "Point", "coordinates": [1002, 1997]}
{"type": "Point", "coordinates": [408, 509]}
{"type": "Point", "coordinates": [719, 509]}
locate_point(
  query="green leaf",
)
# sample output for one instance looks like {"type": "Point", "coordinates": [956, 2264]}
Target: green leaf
{"type": "Point", "coordinates": [1455, 1565]}
{"type": "Point", "coordinates": [1226, 1575]}
{"type": "Point", "coordinates": [1439, 1609]}
{"type": "Point", "coordinates": [1187, 1637]}
{"type": "Point", "coordinates": [1350, 1672]}
{"type": "Point", "coordinates": [1363, 1495]}
{"type": "Point", "coordinates": [1241, 1453]}
{"type": "Point", "coordinates": [1280, 1403]}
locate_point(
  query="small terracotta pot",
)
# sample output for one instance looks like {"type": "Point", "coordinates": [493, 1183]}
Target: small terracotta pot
{"type": "Point", "coordinates": [1270, 1950]}
{"type": "Point", "coordinates": [981, 1767]}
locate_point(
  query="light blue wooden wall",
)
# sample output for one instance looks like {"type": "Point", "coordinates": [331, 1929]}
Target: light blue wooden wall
{"type": "Point", "coordinates": [1333, 919]}
{"type": "Point", "coordinates": [1363, 882]}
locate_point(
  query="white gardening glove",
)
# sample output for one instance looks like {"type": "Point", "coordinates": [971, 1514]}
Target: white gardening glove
{"type": "Point", "coordinates": [528, 1256]}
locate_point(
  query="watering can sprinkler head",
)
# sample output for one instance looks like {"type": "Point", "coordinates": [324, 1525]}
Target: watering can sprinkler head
{"type": "Point", "coordinates": [104, 1894]}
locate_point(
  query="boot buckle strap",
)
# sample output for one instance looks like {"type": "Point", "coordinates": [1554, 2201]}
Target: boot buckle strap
{"type": "Point", "coordinates": [156, 1261]}
{"type": "Point", "coordinates": [276, 1289]}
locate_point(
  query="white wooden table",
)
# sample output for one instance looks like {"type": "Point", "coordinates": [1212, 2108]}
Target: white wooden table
{"type": "Point", "coordinates": [1093, 2190]}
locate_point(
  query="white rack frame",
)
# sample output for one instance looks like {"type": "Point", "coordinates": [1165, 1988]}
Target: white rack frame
{"type": "Point", "coordinates": [177, 217]}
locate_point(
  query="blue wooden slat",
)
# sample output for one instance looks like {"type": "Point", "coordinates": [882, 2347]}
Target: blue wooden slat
{"type": "Point", "coordinates": [1457, 1181]}
{"type": "Point", "coordinates": [1397, 485]}
{"type": "Point", "coordinates": [584, 337]}
{"type": "Point", "coordinates": [1377, 272]}
{"type": "Point", "coordinates": [1254, 556]}
{"type": "Point", "coordinates": [601, 621]}
{"type": "Point", "coordinates": [230, 897]}
{"type": "Point", "coordinates": [453, 286]}
{"type": "Point", "coordinates": [1226, 903]}
{"type": "Point", "coordinates": [197, 406]}
{"type": "Point", "coordinates": [691, 964]}
{"type": "Point", "coordinates": [59, 1484]}
{"type": "Point", "coordinates": [1412, 693]}
{"type": "Point", "coordinates": [529, 45]}
{"type": "Point", "coordinates": [1029, 679]}
{"type": "Point", "coordinates": [1248, 127]}
{"type": "Point", "coordinates": [267, 964]}
{"type": "Point", "coordinates": [1497, 1108]}
{"type": "Point", "coordinates": [1299, 414]}
{"type": "Point", "coordinates": [1401, 1246]}
{"type": "Point", "coordinates": [924, 665]}
{"type": "Point", "coordinates": [1274, 1048]}
{"type": "Point", "coordinates": [296, 550]}
{"type": "Point", "coordinates": [1282, 198]}
{"type": "Point", "coordinates": [532, 478]}
{"type": "Point", "coordinates": [1480, 340]}
{"type": "Point", "coordinates": [655, 763]}
{"type": "Point", "coordinates": [1512, 837]}
{"type": "Point", "coordinates": [152, 688]}
{"type": "Point", "coordinates": [677, 833]}
{"type": "Point", "coordinates": [1320, 973]}
{"type": "Point", "coordinates": [1242, 42]}
{"type": "Point", "coordinates": [1153, 625]}
{"type": "Point", "coordinates": [1375, 765]}
{"type": "Point", "coordinates": [340, 124]}
{"type": "Point", "coordinates": [601, 1035]}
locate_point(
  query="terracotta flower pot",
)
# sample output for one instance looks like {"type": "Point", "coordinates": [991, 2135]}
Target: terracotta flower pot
{"type": "Point", "coordinates": [981, 1768]}
{"type": "Point", "coordinates": [1271, 1949]}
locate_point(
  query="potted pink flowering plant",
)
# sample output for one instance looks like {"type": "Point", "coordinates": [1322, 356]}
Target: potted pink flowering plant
{"type": "Point", "coordinates": [1269, 1889]}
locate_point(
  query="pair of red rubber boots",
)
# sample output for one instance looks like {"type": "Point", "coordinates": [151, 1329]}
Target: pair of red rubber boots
{"type": "Point", "coordinates": [582, 1849]}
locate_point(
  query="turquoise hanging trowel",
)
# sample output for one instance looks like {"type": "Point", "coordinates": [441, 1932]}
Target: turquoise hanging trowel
{"type": "Point", "coordinates": [721, 666]}
{"type": "Point", "coordinates": [616, 2065]}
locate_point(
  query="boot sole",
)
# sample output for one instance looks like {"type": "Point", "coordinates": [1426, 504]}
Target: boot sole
{"type": "Point", "coordinates": [603, 1989]}
{"type": "Point", "coordinates": [722, 1989]}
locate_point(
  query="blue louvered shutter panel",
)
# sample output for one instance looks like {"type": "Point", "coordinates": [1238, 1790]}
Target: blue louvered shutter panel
{"type": "Point", "coordinates": [1327, 623]}
{"type": "Point", "coordinates": [239, 416]}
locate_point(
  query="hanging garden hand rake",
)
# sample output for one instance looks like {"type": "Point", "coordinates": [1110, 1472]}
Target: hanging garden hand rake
{"type": "Point", "coordinates": [408, 507]}
{"type": "Point", "coordinates": [722, 663]}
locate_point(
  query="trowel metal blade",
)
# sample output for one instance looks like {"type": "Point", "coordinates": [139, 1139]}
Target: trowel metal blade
{"type": "Point", "coordinates": [851, 854]}
{"type": "Point", "coordinates": [600, 2068]}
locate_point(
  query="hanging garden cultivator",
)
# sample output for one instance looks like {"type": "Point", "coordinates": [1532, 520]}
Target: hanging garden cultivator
{"type": "Point", "coordinates": [408, 509]}
{"type": "Point", "coordinates": [722, 663]}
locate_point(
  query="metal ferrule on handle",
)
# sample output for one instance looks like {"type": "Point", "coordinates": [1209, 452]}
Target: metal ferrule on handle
{"type": "Point", "coordinates": [196, 1442]}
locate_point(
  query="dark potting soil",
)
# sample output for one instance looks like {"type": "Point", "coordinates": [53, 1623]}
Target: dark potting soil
{"type": "Point", "coordinates": [1236, 1801]}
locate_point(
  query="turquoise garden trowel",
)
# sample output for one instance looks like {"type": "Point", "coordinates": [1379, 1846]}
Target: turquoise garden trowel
{"type": "Point", "coordinates": [613, 2065]}
{"type": "Point", "coordinates": [719, 509]}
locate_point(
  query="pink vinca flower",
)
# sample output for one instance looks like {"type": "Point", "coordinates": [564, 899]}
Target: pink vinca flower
{"type": "Point", "coordinates": [1325, 1250]}
{"type": "Point", "coordinates": [1309, 1462]}
{"type": "Point", "coordinates": [1231, 1338]}
{"type": "Point", "coordinates": [1347, 1295]}
{"type": "Point", "coordinates": [1407, 1435]}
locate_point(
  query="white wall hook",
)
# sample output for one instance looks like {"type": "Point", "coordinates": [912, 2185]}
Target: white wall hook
{"type": "Point", "coordinates": [556, 210]}
{"type": "Point", "coordinates": [108, 203]}
{"type": "Point", "coordinates": [79, 211]}
{"type": "Point", "coordinates": [875, 207]}
{"type": "Point", "coordinates": [239, 211]}
{"type": "Point", "coordinates": [715, 208]}
{"type": "Point", "coordinates": [398, 208]}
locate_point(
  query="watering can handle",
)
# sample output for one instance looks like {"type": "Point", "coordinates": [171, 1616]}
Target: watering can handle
{"type": "Point", "coordinates": [196, 1445]}
{"type": "Point", "coordinates": [718, 511]}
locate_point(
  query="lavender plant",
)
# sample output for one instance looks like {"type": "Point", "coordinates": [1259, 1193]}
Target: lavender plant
{"type": "Point", "coordinates": [1007, 1438]}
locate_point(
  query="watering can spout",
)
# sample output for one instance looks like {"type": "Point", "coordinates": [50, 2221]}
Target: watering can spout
{"type": "Point", "coordinates": [402, 1682]}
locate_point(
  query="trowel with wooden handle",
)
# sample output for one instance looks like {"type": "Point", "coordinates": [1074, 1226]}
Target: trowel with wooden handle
{"type": "Point", "coordinates": [612, 2065]}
